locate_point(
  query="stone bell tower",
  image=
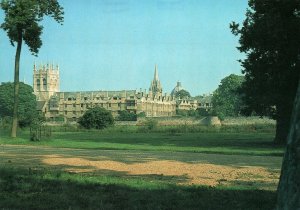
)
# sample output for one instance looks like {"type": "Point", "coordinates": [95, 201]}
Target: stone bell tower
{"type": "Point", "coordinates": [45, 81]}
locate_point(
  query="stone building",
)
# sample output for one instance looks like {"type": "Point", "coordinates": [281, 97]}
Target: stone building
{"type": "Point", "coordinates": [184, 103]}
{"type": "Point", "coordinates": [72, 105]}
{"type": "Point", "coordinates": [204, 102]}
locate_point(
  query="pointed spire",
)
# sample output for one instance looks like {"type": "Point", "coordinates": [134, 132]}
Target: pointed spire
{"type": "Point", "coordinates": [156, 73]}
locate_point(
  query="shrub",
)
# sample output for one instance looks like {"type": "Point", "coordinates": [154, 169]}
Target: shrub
{"type": "Point", "coordinates": [182, 112]}
{"type": "Point", "coordinates": [127, 116]}
{"type": "Point", "coordinates": [97, 118]}
{"type": "Point", "coordinates": [151, 124]}
{"type": "Point", "coordinates": [141, 114]}
{"type": "Point", "coordinates": [203, 112]}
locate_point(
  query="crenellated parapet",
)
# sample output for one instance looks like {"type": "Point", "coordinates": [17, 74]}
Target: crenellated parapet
{"type": "Point", "coordinates": [45, 80]}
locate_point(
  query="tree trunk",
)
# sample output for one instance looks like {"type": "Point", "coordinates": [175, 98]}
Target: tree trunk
{"type": "Point", "coordinates": [16, 87]}
{"type": "Point", "coordinates": [288, 192]}
{"type": "Point", "coordinates": [284, 113]}
{"type": "Point", "coordinates": [282, 129]}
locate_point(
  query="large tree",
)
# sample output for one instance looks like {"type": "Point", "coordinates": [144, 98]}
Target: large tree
{"type": "Point", "coordinates": [288, 192]}
{"type": "Point", "coordinates": [270, 39]}
{"type": "Point", "coordinates": [22, 23]}
{"type": "Point", "coordinates": [226, 98]}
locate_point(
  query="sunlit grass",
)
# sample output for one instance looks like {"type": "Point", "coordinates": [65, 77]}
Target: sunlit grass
{"type": "Point", "coordinates": [247, 143]}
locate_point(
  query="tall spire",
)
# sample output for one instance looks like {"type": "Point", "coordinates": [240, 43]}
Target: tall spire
{"type": "Point", "coordinates": [156, 73]}
{"type": "Point", "coordinates": [155, 86]}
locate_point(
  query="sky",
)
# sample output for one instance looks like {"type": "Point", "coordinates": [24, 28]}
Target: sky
{"type": "Point", "coordinates": [115, 44]}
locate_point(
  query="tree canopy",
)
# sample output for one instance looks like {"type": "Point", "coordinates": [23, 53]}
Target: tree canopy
{"type": "Point", "coordinates": [22, 19]}
{"type": "Point", "coordinates": [226, 99]}
{"type": "Point", "coordinates": [27, 105]}
{"type": "Point", "coordinates": [270, 39]}
{"type": "Point", "coordinates": [182, 94]}
{"type": "Point", "coordinates": [125, 115]}
{"type": "Point", "coordinates": [97, 118]}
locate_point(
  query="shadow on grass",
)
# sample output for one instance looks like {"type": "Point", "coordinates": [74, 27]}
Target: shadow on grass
{"type": "Point", "coordinates": [21, 189]}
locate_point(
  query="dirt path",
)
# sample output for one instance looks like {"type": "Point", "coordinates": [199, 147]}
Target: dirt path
{"type": "Point", "coordinates": [188, 168]}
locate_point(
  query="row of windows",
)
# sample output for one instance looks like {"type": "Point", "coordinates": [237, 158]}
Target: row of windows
{"type": "Point", "coordinates": [109, 105]}
{"type": "Point", "coordinates": [73, 112]}
{"type": "Point", "coordinates": [87, 98]}
{"type": "Point", "coordinates": [39, 83]}
{"type": "Point", "coordinates": [204, 104]}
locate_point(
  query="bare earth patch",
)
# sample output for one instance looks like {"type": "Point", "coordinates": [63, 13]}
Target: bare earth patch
{"type": "Point", "coordinates": [195, 173]}
{"type": "Point", "coordinates": [176, 167]}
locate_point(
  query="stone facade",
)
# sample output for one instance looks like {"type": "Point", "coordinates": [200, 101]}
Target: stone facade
{"type": "Point", "coordinates": [72, 105]}
{"type": "Point", "coordinates": [202, 102]}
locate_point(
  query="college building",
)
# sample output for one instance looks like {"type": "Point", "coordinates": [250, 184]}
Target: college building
{"type": "Point", "coordinates": [72, 105]}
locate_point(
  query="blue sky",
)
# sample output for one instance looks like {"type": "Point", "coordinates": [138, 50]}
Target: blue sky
{"type": "Point", "coordinates": [115, 44]}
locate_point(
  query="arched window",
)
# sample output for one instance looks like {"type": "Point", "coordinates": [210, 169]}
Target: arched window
{"type": "Point", "coordinates": [38, 83]}
{"type": "Point", "coordinates": [44, 83]}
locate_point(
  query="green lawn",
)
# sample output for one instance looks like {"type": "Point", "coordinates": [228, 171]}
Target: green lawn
{"type": "Point", "coordinates": [28, 182]}
{"type": "Point", "coordinates": [251, 143]}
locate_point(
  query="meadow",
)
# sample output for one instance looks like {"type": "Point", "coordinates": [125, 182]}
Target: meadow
{"type": "Point", "coordinates": [185, 167]}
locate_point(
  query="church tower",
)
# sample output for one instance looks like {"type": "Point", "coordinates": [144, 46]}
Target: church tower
{"type": "Point", "coordinates": [155, 86]}
{"type": "Point", "coordinates": [45, 81]}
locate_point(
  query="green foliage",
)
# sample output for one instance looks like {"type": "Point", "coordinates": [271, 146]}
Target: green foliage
{"type": "Point", "coordinates": [187, 113]}
{"type": "Point", "coordinates": [22, 19]}
{"type": "Point", "coordinates": [127, 116]}
{"type": "Point", "coordinates": [226, 99]}
{"type": "Point", "coordinates": [141, 114]}
{"type": "Point", "coordinates": [97, 118]}
{"type": "Point", "coordinates": [203, 112]}
{"type": "Point", "coordinates": [270, 41]}
{"type": "Point", "coordinates": [151, 124]}
{"type": "Point", "coordinates": [180, 112]}
{"type": "Point", "coordinates": [182, 94]}
{"type": "Point", "coordinates": [27, 103]}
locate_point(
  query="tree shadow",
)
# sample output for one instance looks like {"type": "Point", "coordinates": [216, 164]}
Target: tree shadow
{"type": "Point", "coordinates": [21, 189]}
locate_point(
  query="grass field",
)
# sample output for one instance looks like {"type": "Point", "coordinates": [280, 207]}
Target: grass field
{"type": "Point", "coordinates": [135, 170]}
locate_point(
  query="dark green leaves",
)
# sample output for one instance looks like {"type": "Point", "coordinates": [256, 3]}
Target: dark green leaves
{"type": "Point", "coordinates": [97, 118]}
{"type": "Point", "coordinates": [182, 94]}
{"type": "Point", "coordinates": [22, 19]}
{"type": "Point", "coordinates": [226, 99]}
{"type": "Point", "coordinates": [27, 102]}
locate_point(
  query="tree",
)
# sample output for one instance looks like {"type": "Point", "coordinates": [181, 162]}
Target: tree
{"type": "Point", "coordinates": [22, 18]}
{"type": "Point", "coordinates": [125, 115]}
{"type": "Point", "coordinates": [27, 103]}
{"type": "Point", "coordinates": [288, 192]}
{"type": "Point", "coordinates": [182, 94]}
{"type": "Point", "coordinates": [97, 118]}
{"type": "Point", "coordinates": [270, 39]}
{"type": "Point", "coordinates": [226, 99]}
